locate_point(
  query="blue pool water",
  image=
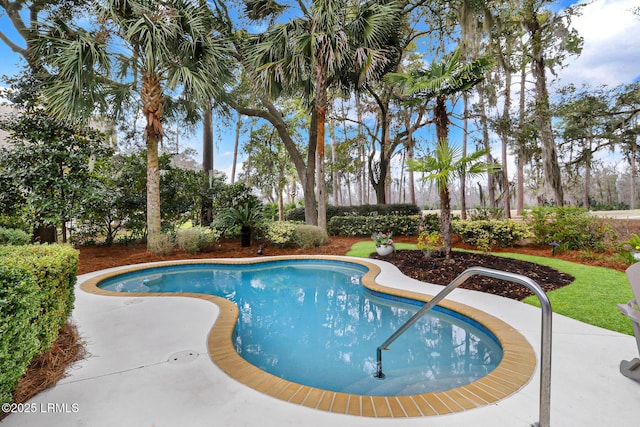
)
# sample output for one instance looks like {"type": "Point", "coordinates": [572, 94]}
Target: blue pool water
{"type": "Point", "coordinates": [312, 322]}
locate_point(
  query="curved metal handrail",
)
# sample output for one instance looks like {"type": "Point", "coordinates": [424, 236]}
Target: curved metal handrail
{"type": "Point", "coordinates": [545, 350]}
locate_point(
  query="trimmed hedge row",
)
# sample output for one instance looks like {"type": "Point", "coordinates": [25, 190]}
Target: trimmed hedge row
{"type": "Point", "coordinates": [360, 226]}
{"type": "Point", "coordinates": [36, 298]}
{"type": "Point", "coordinates": [398, 209]}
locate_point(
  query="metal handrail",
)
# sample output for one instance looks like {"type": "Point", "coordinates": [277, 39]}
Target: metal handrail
{"type": "Point", "coordinates": [545, 350]}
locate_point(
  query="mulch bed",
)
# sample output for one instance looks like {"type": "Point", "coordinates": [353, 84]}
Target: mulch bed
{"type": "Point", "coordinates": [441, 271]}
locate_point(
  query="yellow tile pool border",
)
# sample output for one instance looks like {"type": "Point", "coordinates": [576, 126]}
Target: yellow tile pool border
{"type": "Point", "coordinates": [512, 373]}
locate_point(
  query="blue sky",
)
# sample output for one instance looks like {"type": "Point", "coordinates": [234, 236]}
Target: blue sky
{"type": "Point", "coordinates": [611, 56]}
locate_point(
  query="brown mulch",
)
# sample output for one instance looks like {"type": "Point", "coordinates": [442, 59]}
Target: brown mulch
{"type": "Point", "coordinates": [50, 367]}
{"type": "Point", "coordinates": [441, 271]}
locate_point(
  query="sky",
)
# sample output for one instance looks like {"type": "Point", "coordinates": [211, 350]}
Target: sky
{"type": "Point", "coordinates": [611, 56]}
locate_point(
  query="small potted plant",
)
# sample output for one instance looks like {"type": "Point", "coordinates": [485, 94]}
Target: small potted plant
{"type": "Point", "coordinates": [383, 242]}
{"type": "Point", "coordinates": [430, 243]}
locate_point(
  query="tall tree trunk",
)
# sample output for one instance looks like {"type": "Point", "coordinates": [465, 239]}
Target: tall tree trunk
{"type": "Point", "coordinates": [543, 113]}
{"type": "Point", "coordinates": [520, 151]}
{"type": "Point", "coordinates": [504, 133]}
{"type": "Point", "coordinates": [235, 148]}
{"type": "Point", "coordinates": [410, 153]}
{"type": "Point", "coordinates": [154, 229]}
{"type": "Point", "coordinates": [491, 184]}
{"type": "Point", "coordinates": [634, 176]}
{"type": "Point", "coordinates": [308, 185]}
{"type": "Point", "coordinates": [334, 160]}
{"type": "Point", "coordinates": [152, 109]}
{"type": "Point", "coordinates": [361, 174]}
{"type": "Point", "coordinates": [320, 74]}
{"type": "Point", "coordinates": [587, 179]}
{"type": "Point", "coordinates": [441, 119]}
{"type": "Point", "coordinates": [206, 210]}
{"type": "Point", "coordinates": [463, 175]}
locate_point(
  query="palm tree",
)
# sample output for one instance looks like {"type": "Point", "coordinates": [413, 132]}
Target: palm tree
{"type": "Point", "coordinates": [444, 166]}
{"type": "Point", "coordinates": [442, 81]}
{"type": "Point", "coordinates": [155, 47]}
{"type": "Point", "coordinates": [332, 39]}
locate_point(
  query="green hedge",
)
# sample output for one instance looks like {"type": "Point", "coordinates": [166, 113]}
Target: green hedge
{"type": "Point", "coordinates": [286, 234]}
{"type": "Point", "coordinates": [398, 209]}
{"type": "Point", "coordinates": [359, 226]}
{"type": "Point", "coordinates": [486, 234]}
{"type": "Point", "coordinates": [13, 236]}
{"type": "Point", "coordinates": [36, 299]}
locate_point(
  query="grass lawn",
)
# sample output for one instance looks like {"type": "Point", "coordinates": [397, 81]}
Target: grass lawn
{"type": "Point", "coordinates": [591, 298]}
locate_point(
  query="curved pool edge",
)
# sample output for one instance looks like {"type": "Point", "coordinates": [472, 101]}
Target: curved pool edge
{"type": "Point", "coordinates": [514, 371]}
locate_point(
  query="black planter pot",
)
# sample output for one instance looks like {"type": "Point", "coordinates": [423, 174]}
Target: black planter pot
{"type": "Point", "coordinates": [245, 237]}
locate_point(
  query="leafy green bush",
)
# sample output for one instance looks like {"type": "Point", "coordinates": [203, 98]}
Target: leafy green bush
{"type": "Point", "coordinates": [430, 222]}
{"type": "Point", "coordinates": [13, 236]}
{"type": "Point", "coordinates": [164, 244]}
{"type": "Point", "coordinates": [280, 233]}
{"type": "Point", "coordinates": [306, 236]}
{"type": "Point", "coordinates": [486, 234]}
{"type": "Point", "coordinates": [36, 298]}
{"type": "Point", "coordinates": [197, 239]}
{"type": "Point", "coordinates": [19, 342]}
{"type": "Point", "coordinates": [570, 227]}
{"type": "Point", "coordinates": [400, 209]}
{"type": "Point", "coordinates": [360, 226]}
{"type": "Point", "coordinates": [293, 234]}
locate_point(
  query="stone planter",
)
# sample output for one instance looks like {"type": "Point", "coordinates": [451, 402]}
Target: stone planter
{"type": "Point", "coordinates": [384, 250]}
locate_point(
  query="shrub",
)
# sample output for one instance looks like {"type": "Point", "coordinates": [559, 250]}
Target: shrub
{"type": "Point", "coordinates": [400, 209]}
{"type": "Point", "coordinates": [197, 239]}
{"type": "Point", "coordinates": [430, 222]}
{"type": "Point", "coordinates": [280, 233]}
{"type": "Point", "coordinates": [163, 245]}
{"type": "Point", "coordinates": [18, 339]}
{"type": "Point", "coordinates": [306, 236]}
{"type": "Point", "coordinates": [292, 234]}
{"type": "Point", "coordinates": [36, 298]}
{"type": "Point", "coordinates": [571, 227]}
{"type": "Point", "coordinates": [485, 234]}
{"type": "Point", "coordinates": [361, 226]}
{"type": "Point", "coordinates": [13, 236]}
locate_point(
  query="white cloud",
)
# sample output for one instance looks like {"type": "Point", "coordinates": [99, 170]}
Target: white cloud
{"type": "Point", "coordinates": [611, 51]}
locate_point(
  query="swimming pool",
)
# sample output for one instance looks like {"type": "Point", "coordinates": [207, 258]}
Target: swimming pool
{"type": "Point", "coordinates": [348, 314]}
{"type": "Point", "coordinates": [312, 322]}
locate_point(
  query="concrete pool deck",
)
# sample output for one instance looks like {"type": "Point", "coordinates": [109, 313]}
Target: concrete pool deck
{"type": "Point", "coordinates": [148, 365]}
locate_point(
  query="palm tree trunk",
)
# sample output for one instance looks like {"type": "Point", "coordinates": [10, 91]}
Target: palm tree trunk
{"type": "Point", "coordinates": [152, 108]}
{"type": "Point", "coordinates": [153, 194]}
{"type": "Point", "coordinates": [308, 185]}
{"type": "Point", "coordinates": [206, 211]}
{"type": "Point", "coordinates": [463, 176]}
